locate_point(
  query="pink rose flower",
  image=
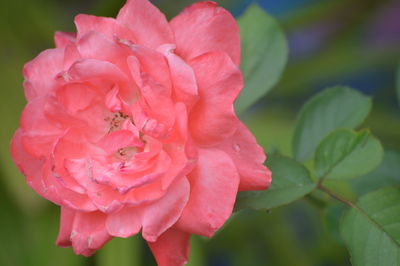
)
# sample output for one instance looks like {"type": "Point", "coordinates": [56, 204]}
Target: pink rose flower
{"type": "Point", "coordinates": [130, 127]}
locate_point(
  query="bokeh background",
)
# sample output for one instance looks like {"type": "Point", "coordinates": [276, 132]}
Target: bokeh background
{"type": "Point", "coordinates": [345, 42]}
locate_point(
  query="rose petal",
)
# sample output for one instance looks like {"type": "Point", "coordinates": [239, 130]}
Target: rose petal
{"type": "Point", "coordinates": [205, 27]}
{"type": "Point", "coordinates": [62, 39]}
{"type": "Point", "coordinates": [40, 73]}
{"type": "Point", "coordinates": [171, 248]}
{"type": "Point", "coordinates": [213, 118]}
{"type": "Point", "coordinates": [89, 232]}
{"type": "Point", "coordinates": [107, 26]}
{"type": "Point", "coordinates": [183, 77]}
{"type": "Point", "coordinates": [66, 223]}
{"type": "Point", "coordinates": [162, 214]}
{"type": "Point", "coordinates": [248, 157]}
{"type": "Point", "coordinates": [214, 184]}
{"type": "Point", "coordinates": [124, 223]}
{"type": "Point", "coordinates": [148, 24]}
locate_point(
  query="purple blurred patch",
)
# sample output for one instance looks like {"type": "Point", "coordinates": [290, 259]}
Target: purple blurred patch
{"type": "Point", "coordinates": [385, 28]}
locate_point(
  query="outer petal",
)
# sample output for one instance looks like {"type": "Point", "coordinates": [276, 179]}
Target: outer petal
{"type": "Point", "coordinates": [40, 73]}
{"type": "Point", "coordinates": [147, 23]}
{"type": "Point", "coordinates": [214, 183]}
{"type": "Point", "coordinates": [89, 232]}
{"type": "Point", "coordinates": [107, 26]}
{"type": "Point", "coordinates": [162, 214]}
{"type": "Point", "coordinates": [248, 157]}
{"type": "Point", "coordinates": [125, 223]}
{"type": "Point", "coordinates": [205, 27]}
{"type": "Point", "coordinates": [66, 223]}
{"type": "Point", "coordinates": [171, 248]}
{"type": "Point", "coordinates": [63, 39]}
{"type": "Point", "coordinates": [213, 118]}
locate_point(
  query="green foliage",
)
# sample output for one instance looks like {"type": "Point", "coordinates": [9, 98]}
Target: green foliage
{"type": "Point", "coordinates": [387, 174]}
{"type": "Point", "coordinates": [291, 181]}
{"type": "Point", "coordinates": [372, 229]}
{"type": "Point", "coordinates": [345, 154]}
{"type": "Point", "coordinates": [264, 55]}
{"type": "Point", "coordinates": [337, 107]}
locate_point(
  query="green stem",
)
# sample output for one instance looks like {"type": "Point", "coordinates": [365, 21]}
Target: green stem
{"type": "Point", "coordinates": [336, 196]}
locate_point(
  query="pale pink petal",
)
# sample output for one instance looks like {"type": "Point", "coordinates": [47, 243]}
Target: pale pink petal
{"type": "Point", "coordinates": [204, 27]}
{"type": "Point", "coordinates": [162, 214]}
{"type": "Point", "coordinates": [213, 184]}
{"type": "Point", "coordinates": [89, 232]}
{"type": "Point", "coordinates": [248, 157]}
{"type": "Point", "coordinates": [62, 39]}
{"type": "Point", "coordinates": [213, 118]}
{"type": "Point", "coordinates": [171, 248]}
{"type": "Point", "coordinates": [66, 223]}
{"type": "Point", "coordinates": [124, 223]}
{"type": "Point", "coordinates": [148, 24]}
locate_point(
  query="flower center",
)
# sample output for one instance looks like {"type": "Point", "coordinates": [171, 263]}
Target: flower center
{"type": "Point", "coordinates": [117, 120]}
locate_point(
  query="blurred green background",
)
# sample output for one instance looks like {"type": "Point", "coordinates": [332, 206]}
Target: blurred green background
{"type": "Point", "coordinates": [346, 42]}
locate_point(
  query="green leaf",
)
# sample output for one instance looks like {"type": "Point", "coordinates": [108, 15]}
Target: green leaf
{"type": "Point", "coordinates": [264, 55]}
{"type": "Point", "coordinates": [290, 181]}
{"type": "Point", "coordinates": [345, 154]}
{"type": "Point", "coordinates": [387, 174]}
{"type": "Point", "coordinates": [336, 107]}
{"type": "Point", "coordinates": [372, 229]}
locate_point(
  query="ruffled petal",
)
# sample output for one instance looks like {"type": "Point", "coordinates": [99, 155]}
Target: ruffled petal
{"type": "Point", "coordinates": [124, 223]}
{"type": "Point", "coordinates": [162, 214]}
{"type": "Point", "coordinates": [63, 39]}
{"type": "Point", "coordinates": [171, 248]}
{"type": "Point", "coordinates": [107, 26]}
{"type": "Point", "coordinates": [41, 73]}
{"type": "Point", "coordinates": [89, 232]}
{"type": "Point", "coordinates": [148, 24]}
{"type": "Point", "coordinates": [248, 157]}
{"type": "Point", "coordinates": [66, 223]}
{"type": "Point", "coordinates": [214, 185]}
{"type": "Point", "coordinates": [204, 27]}
{"type": "Point", "coordinates": [213, 118]}
{"type": "Point", "coordinates": [183, 77]}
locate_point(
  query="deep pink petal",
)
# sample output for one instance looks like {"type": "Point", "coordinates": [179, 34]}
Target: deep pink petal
{"type": "Point", "coordinates": [148, 24]}
{"type": "Point", "coordinates": [162, 214]}
{"type": "Point", "coordinates": [214, 185]}
{"type": "Point", "coordinates": [171, 248]}
{"type": "Point", "coordinates": [204, 27]}
{"type": "Point", "coordinates": [89, 232]}
{"type": "Point", "coordinates": [248, 157]}
{"type": "Point", "coordinates": [63, 39]}
{"type": "Point", "coordinates": [213, 118]}
{"type": "Point", "coordinates": [66, 223]}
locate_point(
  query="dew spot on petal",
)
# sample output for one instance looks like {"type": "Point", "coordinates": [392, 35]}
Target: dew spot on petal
{"type": "Point", "coordinates": [236, 147]}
